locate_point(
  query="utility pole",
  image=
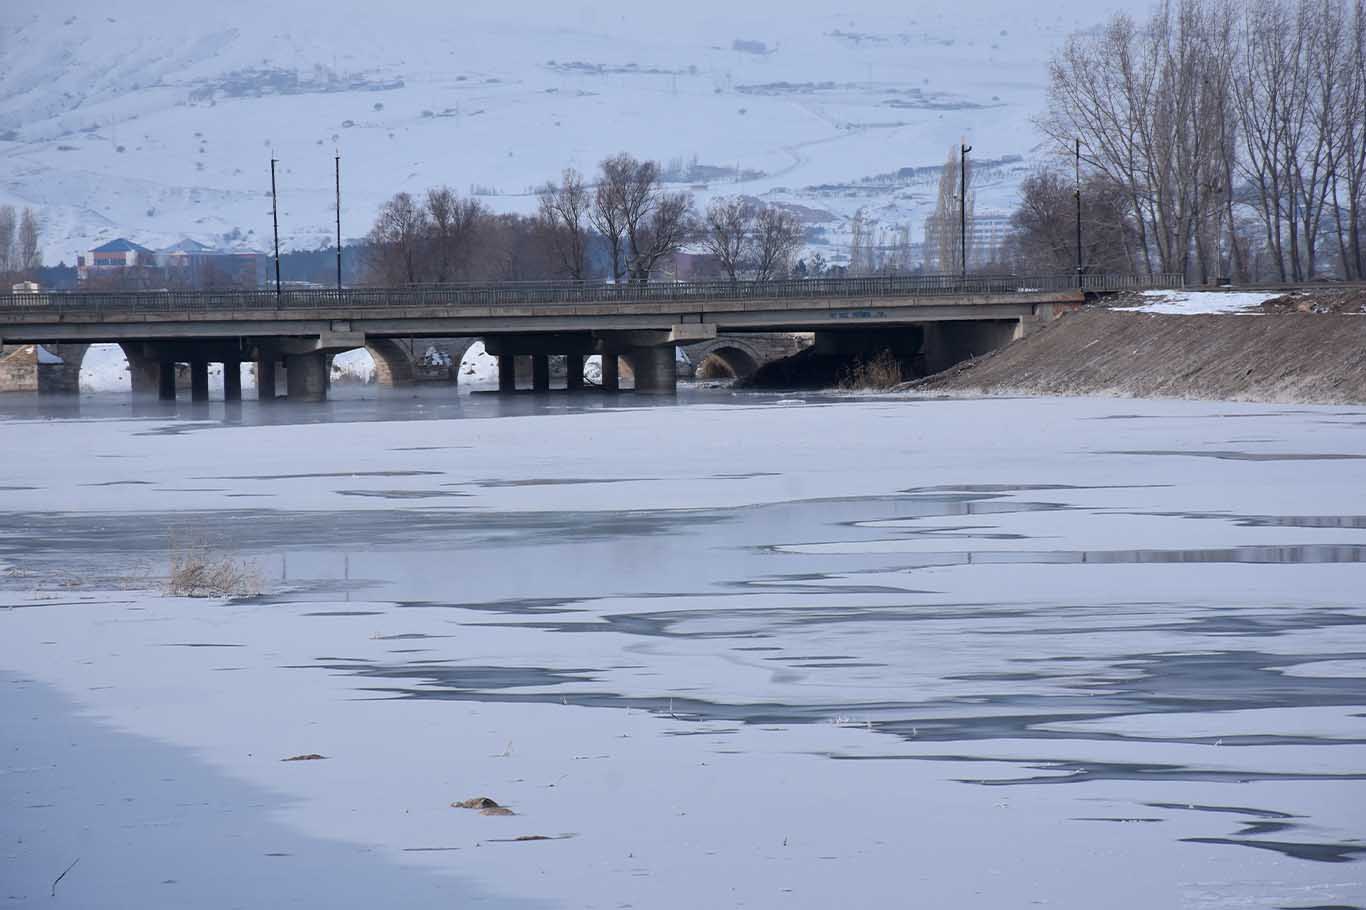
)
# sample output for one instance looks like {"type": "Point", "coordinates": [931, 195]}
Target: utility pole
{"type": "Point", "coordinates": [963, 208]}
{"type": "Point", "coordinates": [275, 218]}
{"type": "Point", "coordinates": [1077, 193]}
{"type": "Point", "coordinates": [338, 163]}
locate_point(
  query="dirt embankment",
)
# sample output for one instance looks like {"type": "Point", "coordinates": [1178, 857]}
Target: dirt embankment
{"type": "Point", "coordinates": [1288, 355]}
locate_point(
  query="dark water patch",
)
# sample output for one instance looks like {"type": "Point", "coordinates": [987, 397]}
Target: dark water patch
{"type": "Point", "coordinates": [1299, 554]}
{"type": "Point", "coordinates": [401, 494]}
{"type": "Point", "coordinates": [750, 475]}
{"type": "Point", "coordinates": [326, 474]}
{"type": "Point", "coordinates": [62, 537]}
{"type": "Point", "coordinates": [1120, 820]}
{"type": "Point", "coordinates": [1257, 829]}
{"type": "Point", "coordinates": [830, 666]}
{"type": "Point", "coordinates": [1328, 522]}
{"type": "Point", "coordinates": [13, 489]}
{"type": "Point", "coordinates": [1318, 853]}
{"type": "Point", "coordinates": [1068, 771]}
{"type": "Point", "coordinates": [1231, 810]}
{"type": "Point", "coordinates": [428, 448]}
{"type": "Point", "coordinates": [518, 606]}
{"type": "Point", "coordinates": [1321, 907]}
{"type": "Point", "coordinates": [803, 583]}
{"type": "Point", "coordinates": [346, 613]}
{"type": "Point", "coordinates": [456, 678]}
{"type": "Point", "coordinates": [118, 483]}
{"type": "Point", "coordinates": [409, 636]}
{"type": "Point", "coordinates": [196, 644]}
{"type": "Point", "coordinates": [430, 849]}
{"type": "Point", "coordinates": [1246, 456]}
{"type": "Point", "coordinates": [549, 482]}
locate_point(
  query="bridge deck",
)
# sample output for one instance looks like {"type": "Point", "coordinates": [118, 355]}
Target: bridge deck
{"type": "Point", "coordinates": [809, 304]}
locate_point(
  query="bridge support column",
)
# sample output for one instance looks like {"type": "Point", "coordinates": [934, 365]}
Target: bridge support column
{"type": "Point", "coordinates": [656, 370]}
{"type": "Point", "coordinates": [144, 372]}
{"type": "Point", "coordinates": [199, 380]}
{"type": "Point", "coordinates": [573, 365]}
{"type": "Point", "coordinates": [540, 372]}
{"type": "Point", "coordinates": [232, 381]}
{"type": "Point", "coordinates": [611, 373]}
{"type": "Point", "coordinates": [265, 378]}
{"type": "Point", "coordinates": [166, 380]}
{"type": "Point", "coordinates": [307, 376]}
{"type": "Point", "coordinates": [507, 373]}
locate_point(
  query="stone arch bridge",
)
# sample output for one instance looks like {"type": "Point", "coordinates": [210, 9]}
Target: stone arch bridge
{"type": "Point", "coordinates": [399, 361]}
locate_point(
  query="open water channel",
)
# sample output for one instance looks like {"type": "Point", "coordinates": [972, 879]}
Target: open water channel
{"type": "Point", "coordinates": [734, 650]}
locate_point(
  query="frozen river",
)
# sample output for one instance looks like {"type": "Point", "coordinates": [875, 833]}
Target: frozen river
{"type": "Point", "coordinates": [743, 650]}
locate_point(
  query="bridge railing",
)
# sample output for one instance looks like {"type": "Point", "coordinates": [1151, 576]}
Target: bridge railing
{"type": "Point", "coordinates": [539, 294]}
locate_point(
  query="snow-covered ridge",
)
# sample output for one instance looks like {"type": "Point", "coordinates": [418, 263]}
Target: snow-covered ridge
{"type": "Point", "coordinates": [125, 120]}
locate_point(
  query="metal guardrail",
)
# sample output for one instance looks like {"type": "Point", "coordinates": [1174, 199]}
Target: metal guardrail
{"type": "Point", "coordinates": [558, 294]}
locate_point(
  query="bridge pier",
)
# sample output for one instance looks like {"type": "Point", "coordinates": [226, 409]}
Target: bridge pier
{"type": "Point", "coordinates": [507, 373]}
{"type": "Point", "coordinates": [143, 372]}
{"type": "Point", "coordinates": [232, 381]}
{"type": "Point", "coordinates": [611, 373]}
{"type": "Point", "coordinates": [265, 378]}
{"type": "Point", "coordinates": [199, 380]}
{"type": "Point", "coordinates": [540, 372]}
{"type": "Point", "coordinates": [656, 370]}
{"type": "Point", "coordinates": [306, 375]}
{"type": "Point", "coordinates": [573, 372]}
{"type": "Point", "coordinates": [166, 380]}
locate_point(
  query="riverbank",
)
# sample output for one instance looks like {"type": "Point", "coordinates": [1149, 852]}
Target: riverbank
{"type": "Point", "coordinates": [1301, 350]}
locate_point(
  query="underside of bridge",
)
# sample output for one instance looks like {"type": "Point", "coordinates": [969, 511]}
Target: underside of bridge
{"type": "Point", "coordinates": [291, 342]}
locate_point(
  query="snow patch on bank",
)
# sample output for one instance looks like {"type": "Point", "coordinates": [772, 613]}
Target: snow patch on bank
{"type": "Point", "coordinates": [1203, 303]}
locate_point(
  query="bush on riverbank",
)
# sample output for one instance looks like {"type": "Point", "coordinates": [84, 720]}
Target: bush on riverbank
{"type": "Point", "coordinates": [880, 372]}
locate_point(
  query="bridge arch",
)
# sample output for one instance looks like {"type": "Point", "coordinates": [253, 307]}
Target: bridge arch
{"type": "Point", "coordinates": [726, 358]}
{"type": "Point", "coordinates": [398, 361]}
{"type": "Point", "coordinates": [394, 361]}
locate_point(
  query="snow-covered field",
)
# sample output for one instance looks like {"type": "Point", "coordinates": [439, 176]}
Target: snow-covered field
{"type": "Point", "coordinates": [128, 121]}
{"type": "Point", "coordinates": [979, 654]}
{"type": "Point", "coordinates": [1204, 303]}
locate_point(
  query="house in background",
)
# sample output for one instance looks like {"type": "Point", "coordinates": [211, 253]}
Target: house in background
{"type": "Point", "coordinates": [118, 263]}
{"type": "Point", "coordinates": [190, 265]}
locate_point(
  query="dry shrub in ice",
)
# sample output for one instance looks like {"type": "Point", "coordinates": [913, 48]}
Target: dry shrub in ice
{"type": "Point", "coordinates": [197, 571]}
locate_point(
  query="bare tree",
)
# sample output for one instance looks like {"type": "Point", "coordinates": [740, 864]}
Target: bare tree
{"type": "Point", "coordinates": [398, 241]}
{"type": "Point", "coordinates": [641, 223]}
{"type": "Point", "coordinates": [944, 227]}
{"type": "Point", "coordinates": [1045, 227]}
{"type": "Point", "coordinates": [29, 256]}
{"type": "Point", "coordinates": [566, 210]}
{"type": "Point", "coordinates": [777, 237]}
{"type": "Point", "coordinates": [8, 226]}
{"type": "Point", "coordinates": [728, 226]}
{"type": "Point", "coordinates": [608, 215]}
{"type": "Point", "coordinates": [453, 227]}
{"type": "Point", "coordinates": [660, 233]}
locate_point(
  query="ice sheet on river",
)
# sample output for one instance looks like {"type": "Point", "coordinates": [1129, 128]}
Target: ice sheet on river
{"type": "Point", "coordinates": [961, 653]}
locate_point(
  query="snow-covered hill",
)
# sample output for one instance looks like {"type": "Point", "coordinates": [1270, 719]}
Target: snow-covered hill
{"type": "Point", "coordinates": [156, 120]}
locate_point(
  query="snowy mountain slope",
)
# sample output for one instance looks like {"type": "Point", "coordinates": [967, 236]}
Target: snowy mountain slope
{"type": "Point", "coordinates": [154, 121]}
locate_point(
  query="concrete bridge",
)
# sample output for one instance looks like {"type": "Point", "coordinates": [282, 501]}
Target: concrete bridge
{"type": "Point", "coordinates": [943, 319]}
